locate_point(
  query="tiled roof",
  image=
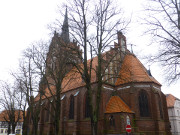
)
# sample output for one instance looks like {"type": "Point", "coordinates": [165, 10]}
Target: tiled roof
{"type": "Point", "coordinates": [4, 115]}
{"type": "Point", "coordinates": [48, 93]}
{"type": "Point", "coordinates": [132, 70]}
{"type": "Point", "coordinates": [116, 105]}
{"type": "Point", "coordinates": [72, 80]}
{"type": "Point", "coordinates": [170, 100]}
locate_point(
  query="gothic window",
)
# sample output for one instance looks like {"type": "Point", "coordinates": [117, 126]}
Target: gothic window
{"type": "Point", "coordinates": [106, 74]}
{"type": "Point", "coordinates": [143, 104]}
{"type": "Point", "coordinates": [71, 107]}
{"type": "Point", "coordinates": [128, 120]}
{"type": "Point", "coordinates": [178, 113]}
{"type": "Point", "coordinates": [47, 113]}
{"type": "Point", "coordinates": [112, 121]}
{"type": "Point", "coordinates": [123, 45]}
{"type": "Point", "coordinates": [53, 63]}
{"type": "Point", "coordinates": [42, 115]}
{"type": "Point", "coordinates": [160, 108]}
{"type": "Point", "coordinates": [30, 119]}
{"type": "Point", "coordinates": [87, 107]}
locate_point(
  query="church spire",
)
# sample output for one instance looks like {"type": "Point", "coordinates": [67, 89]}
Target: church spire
{"type": "Point", "coordinates": [65, 29]}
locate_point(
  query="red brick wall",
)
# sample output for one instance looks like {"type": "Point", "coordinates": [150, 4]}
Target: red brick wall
{"type": "Point", "coordinates": [81, 125]}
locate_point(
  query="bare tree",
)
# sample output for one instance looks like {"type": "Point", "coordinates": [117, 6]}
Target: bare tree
{"type": "Point", "coordinates": [23, 103]}
{"type": "Point", "coordinates": [28, 78]}
{"type": "Point", "coordinates": [163, 21]}
{"type": "Point", "coordinates": [94, 24]}
{"type": "Point", "coordinates": [12, 102]}
{"type": "Point", "coordinates": [52, 63]}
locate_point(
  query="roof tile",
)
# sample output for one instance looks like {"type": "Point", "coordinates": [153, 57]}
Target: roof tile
{"type": "Point", "coordinates": [4, 115]}
{"type": "Point", "coordinates": [170, 100]}
{"type": "Point", "coordinates": [132, 70]}
{"type": "Point", "coordinates": [116, 104]}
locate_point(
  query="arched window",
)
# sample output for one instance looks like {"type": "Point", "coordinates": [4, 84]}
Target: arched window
{"type": "Point", "coordinates": [112, 121]}
{"type": "Point", "coordinates": [143, 104]}
{"type": "Point", "coordinates": [160, 108]}
{"type": "Point", "coordinates": [71, 107]}
{"type": "Point", "coordinates": [42, 115]}
{"type": "Point", "coordinates": [47, 113]}
{"type": "Point", "coordinates": [87, 107]}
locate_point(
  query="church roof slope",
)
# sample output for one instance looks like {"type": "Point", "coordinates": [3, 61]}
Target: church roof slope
{"type": "Point", "coordinates": [132, 70]}
{"type": "Point", "coordinates": [116, 105]}
{"type": "Point", "coordinates": [170, 100]}
{"type": "Point", "coordinates": [72, 80]}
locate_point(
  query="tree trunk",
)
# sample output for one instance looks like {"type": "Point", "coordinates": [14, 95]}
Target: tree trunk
{"type": "Point", "coordinates": [94, 128]}
{"type": "Point", "coordinates": [13, 128]}
{"type": "Point", "coordinates": [9, 128]}
{"type": "Point", "coordinates": [24, 126]}
{"type": "Point", "coordinates": [35, 129]}
{"type": "Point", "coordinates": [58, 108]}
{"type": "Point", "coordinates": [57, 127]}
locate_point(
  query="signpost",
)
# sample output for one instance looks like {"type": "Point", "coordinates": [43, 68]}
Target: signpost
{"type": "Point", "coordinates": [128, 128]}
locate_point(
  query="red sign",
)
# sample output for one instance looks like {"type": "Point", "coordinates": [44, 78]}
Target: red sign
{"type": "Point", "coordinates": [128, 128]}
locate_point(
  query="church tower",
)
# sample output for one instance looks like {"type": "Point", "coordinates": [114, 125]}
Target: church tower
{"type": "Point", "coordinates": [61, 50]}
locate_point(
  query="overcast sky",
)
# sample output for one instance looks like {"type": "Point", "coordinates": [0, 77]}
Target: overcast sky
{"type": "Point", "coordinates": [25, 21]}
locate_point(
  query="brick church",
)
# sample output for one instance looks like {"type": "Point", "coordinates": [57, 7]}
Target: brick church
{"type": "Point", "coordinates": [133, 98]}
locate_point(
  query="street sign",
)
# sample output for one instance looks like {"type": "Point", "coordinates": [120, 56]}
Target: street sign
{"type": "Point", "coordinates": [128, 128]}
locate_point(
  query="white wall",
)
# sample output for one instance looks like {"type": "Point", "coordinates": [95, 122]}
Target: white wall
{"type": "Point", "coordinates": [3, 129]}
{"type": "Point", "coordinates": [174, 117]}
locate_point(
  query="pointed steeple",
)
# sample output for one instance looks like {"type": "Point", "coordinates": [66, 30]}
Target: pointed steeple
{"type": "Point", "coordinates": [65, 29]}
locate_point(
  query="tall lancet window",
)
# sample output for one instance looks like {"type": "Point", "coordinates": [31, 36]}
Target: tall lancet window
{"type": "Point", "coordinates": [71, 107]}
{"type": "Point", "coordinates": [160, 107]}
{"type": "Point", "coordinates": [87, 107]}
{"type": "Point", "coordinates": [123, 45]}
{"type": "Point", "coordinates": [143, 104]}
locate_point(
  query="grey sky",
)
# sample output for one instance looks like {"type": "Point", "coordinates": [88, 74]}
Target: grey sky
{"type": "Point", "coordinates": [25, 21]}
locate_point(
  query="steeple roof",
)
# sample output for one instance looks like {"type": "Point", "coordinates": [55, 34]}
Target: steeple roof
{"type": "Point", "coordinates": [65, 29]}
